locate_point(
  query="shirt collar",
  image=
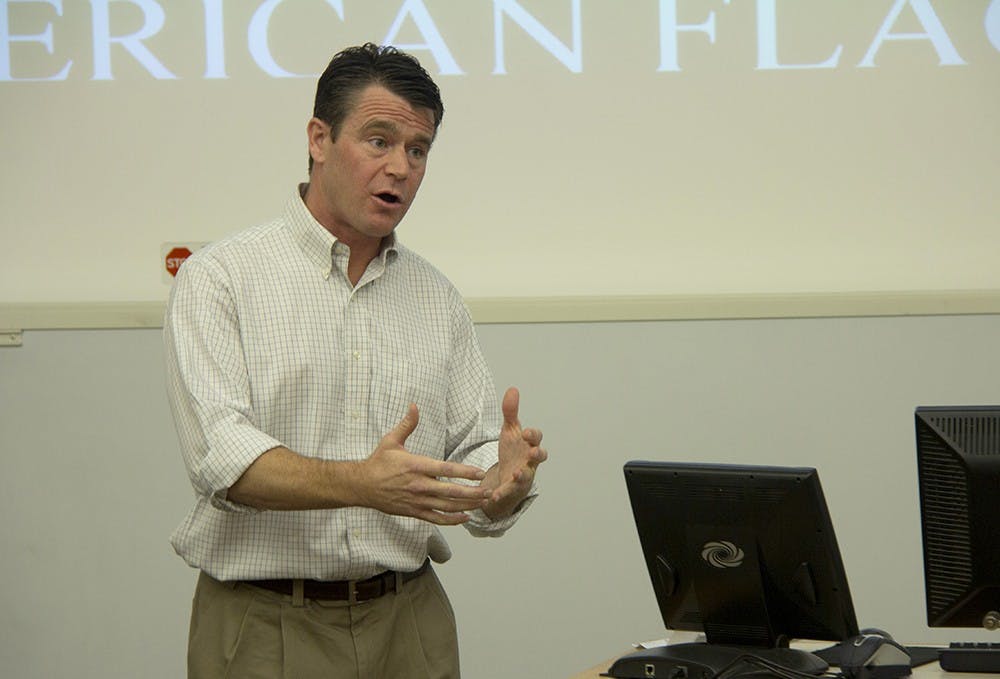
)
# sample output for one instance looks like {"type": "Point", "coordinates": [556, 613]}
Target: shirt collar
{"type": "Point", "coordinates": [316, 242]}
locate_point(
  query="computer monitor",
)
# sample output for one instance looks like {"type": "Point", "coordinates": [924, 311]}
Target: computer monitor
{"type": "Point", "coordinates": [958, 468]}
{"type": "Point", "coordinates": [745, 554]}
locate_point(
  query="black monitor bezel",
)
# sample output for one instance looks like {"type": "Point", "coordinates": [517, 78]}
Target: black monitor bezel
{"type": "Point", "coordinates": [836, 608]}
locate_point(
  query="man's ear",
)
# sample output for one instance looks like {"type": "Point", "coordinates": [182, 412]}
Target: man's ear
{"type": "Point", "coordinates": [318, 133]}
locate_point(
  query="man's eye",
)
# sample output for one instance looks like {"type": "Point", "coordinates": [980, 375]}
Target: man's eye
{"type": "Point", "coordinates": [418, 153]}
{"type": "Point", "coordinates": [378, 142]}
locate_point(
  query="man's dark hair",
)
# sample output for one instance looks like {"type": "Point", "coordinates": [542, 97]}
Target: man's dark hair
{"type": "Point", "coordinates": [355, 68]}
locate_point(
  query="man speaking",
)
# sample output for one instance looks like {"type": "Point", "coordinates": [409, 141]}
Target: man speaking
{"type": "Point", "coordinates": [334, 409]}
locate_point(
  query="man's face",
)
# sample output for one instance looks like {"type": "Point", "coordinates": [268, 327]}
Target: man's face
{"type": "Point", "coordinates": [364, 181]}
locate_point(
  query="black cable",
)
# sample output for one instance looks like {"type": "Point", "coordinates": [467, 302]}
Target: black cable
{"type": "Point", "coordinates": [733, 669]}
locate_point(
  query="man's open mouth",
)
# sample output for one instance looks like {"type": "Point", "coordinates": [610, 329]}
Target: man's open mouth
{"type": "Point", "coordinates": [388, 198]}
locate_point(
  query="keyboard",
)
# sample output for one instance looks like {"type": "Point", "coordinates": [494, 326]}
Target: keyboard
{"type": "Point", "coordinates": [970, 656]}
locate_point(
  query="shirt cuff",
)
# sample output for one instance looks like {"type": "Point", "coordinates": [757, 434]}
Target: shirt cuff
{"type": "Point", "coordinates": [223, 468]}
{"type": "Point", "coordinates": [481, 526]}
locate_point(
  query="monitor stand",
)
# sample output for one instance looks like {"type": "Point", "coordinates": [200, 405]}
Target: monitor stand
{"type": "Point", "coordinates": [704, 661]}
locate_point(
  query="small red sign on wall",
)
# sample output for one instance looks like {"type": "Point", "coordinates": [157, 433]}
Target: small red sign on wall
{"type": "Point", "coordinates": [175, 258]}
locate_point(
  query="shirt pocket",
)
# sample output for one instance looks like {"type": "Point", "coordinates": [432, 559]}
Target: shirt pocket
{"type": "Point", "coordinates": [420, 383]}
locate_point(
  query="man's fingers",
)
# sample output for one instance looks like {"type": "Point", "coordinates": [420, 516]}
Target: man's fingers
{"type": "Point", "coordinates": [452, 504]}
{"type": "Point", "coordinates": [448, 504]}
{"type": "Point", "coordinates": [532, 436]}
{"type": "Point", "coordinates": [518, 484]}
{"type": "Point", "coordinates": [511, 399]}
{"type": "Point", "coordinates": [405, 426]}
{"type": "Point", "coordinates": [444, 518]}
{"type": "Point", "coordinates": [448, 491]}
{"type": "Point", "coordinates": [540, 456]}
{"type": "Point", "coordinates": [454, 470]}
{"type": "Point", "coordinates": [435, 481]}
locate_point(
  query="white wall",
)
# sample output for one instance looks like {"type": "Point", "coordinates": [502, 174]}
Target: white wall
{"type": "Point", "coordinates": [91, 483]}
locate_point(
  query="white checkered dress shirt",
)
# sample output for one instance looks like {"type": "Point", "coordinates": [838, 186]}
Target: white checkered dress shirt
{"type": "Point", "coordinates": [268, 344]}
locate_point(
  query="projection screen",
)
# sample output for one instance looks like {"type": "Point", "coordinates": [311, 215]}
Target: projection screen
{"type": "Point", "coordinates": [589, 147]}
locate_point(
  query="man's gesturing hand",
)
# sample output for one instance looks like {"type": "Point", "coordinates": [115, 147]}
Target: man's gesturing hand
{"type": "Point", "coordinates": [511, 477]}
{"type": "Point", "coordinates": [395, 481]}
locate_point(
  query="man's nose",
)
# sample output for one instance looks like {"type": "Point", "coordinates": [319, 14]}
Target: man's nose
{"type": "Point", "coordinates": [397, 163]}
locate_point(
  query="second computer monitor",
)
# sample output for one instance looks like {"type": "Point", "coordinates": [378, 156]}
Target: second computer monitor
{"type": "Point", "coordinates": [746, 554]}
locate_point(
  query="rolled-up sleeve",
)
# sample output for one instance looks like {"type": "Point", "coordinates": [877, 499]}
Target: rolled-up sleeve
{"type": "Point", "coordinates": [207, 382]}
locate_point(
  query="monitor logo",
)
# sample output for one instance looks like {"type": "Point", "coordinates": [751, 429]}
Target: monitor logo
{"type": "Point", "coordinates": [722, 554]}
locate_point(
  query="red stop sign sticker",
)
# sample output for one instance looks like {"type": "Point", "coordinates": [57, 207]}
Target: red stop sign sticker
{"type": "Point", "coordinates": [175, 258]}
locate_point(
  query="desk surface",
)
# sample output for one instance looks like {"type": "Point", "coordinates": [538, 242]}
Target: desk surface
{"type": "Point", "coordinates": [595, 671]}
{"type": "Point", "coordinates": [929, 671]}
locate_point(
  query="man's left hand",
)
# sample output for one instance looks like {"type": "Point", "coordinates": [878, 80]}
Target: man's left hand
{"type": "Point", "coordinates": [520, 454]}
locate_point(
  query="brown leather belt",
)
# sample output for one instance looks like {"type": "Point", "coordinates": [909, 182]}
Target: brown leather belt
{"type": "Point", "coordinates": [341, 590]}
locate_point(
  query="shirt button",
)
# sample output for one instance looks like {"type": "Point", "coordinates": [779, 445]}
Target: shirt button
{"type": "Point", "coordinates": [355, 414]}
{"type": "Point", "coordinates": [356, 533]}
{"type": "Point", "coordinates": [357, 355]}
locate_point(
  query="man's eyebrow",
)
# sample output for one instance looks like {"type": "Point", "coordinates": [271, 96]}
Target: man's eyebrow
{"type": "Point", "coordinates": [388, 126]}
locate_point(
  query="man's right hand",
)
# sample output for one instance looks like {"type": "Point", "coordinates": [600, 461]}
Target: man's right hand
{"type": "Point", "coordinates": [396, 481]}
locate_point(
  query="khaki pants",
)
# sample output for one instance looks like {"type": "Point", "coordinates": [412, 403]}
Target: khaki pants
{"type": "Point", "coordinates": [243, 632]}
